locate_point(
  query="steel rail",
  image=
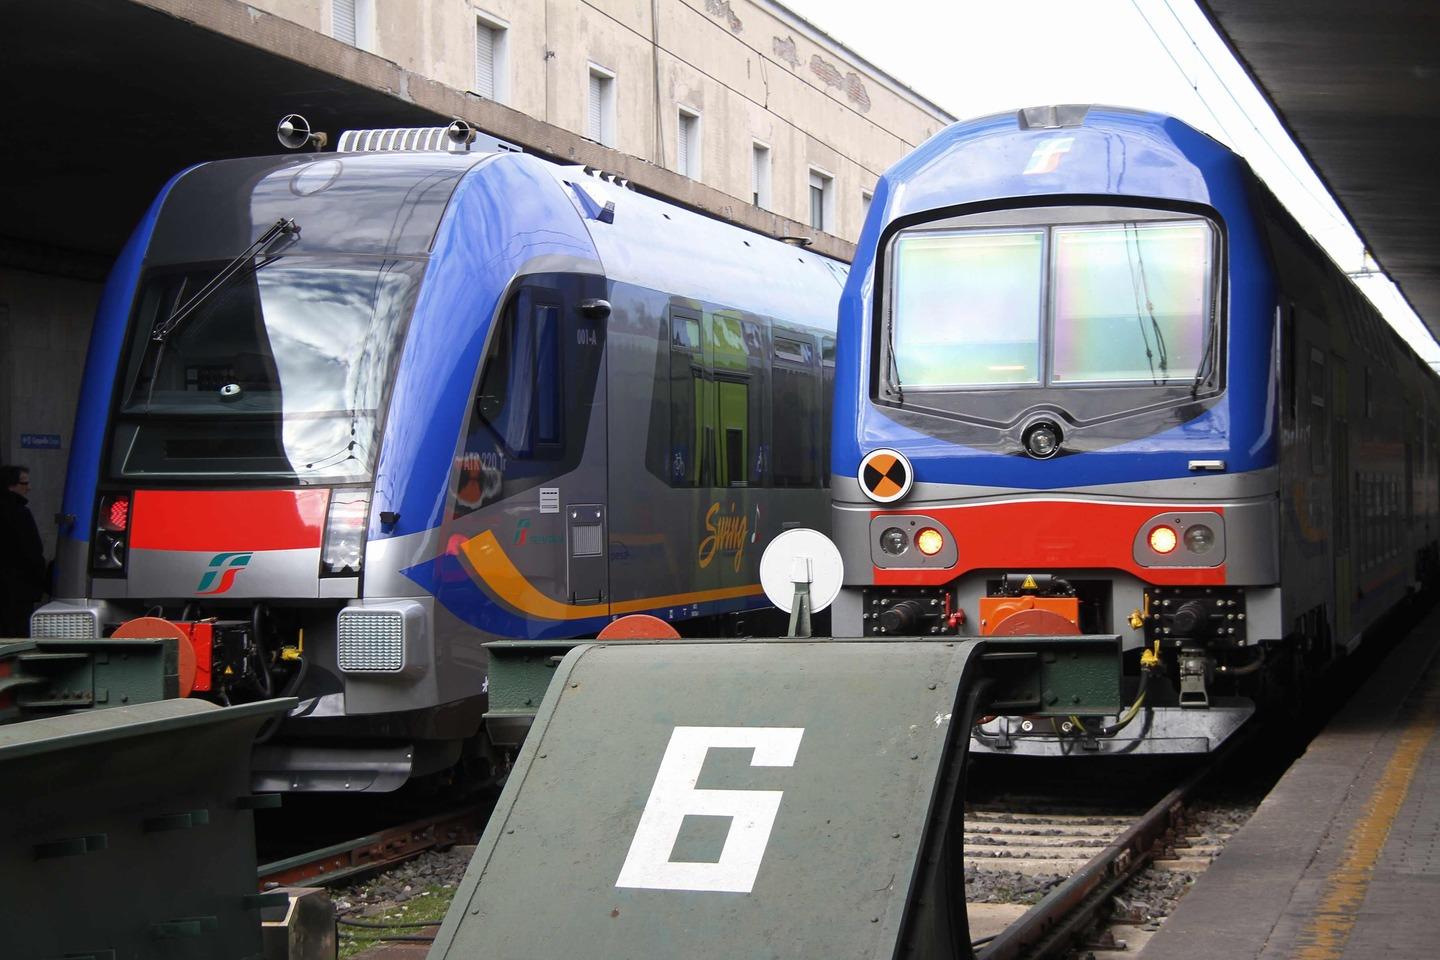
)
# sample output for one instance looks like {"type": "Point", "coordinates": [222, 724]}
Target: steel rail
{"type": "Point", "coordinates": [1066, 912]}
{"type": "Point", "coordinates": [344, 861]}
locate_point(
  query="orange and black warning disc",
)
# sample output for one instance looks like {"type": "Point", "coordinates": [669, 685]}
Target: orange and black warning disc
{"type": "Point", "coordinates": [885, 475]}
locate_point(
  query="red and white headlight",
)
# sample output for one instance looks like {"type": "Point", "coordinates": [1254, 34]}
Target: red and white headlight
{"type": "Point", "coordinates": [1183, 539]}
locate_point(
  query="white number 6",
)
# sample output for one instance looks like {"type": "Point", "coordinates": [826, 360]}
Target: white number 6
{"type": "Point", "coordinates": [674, 797]}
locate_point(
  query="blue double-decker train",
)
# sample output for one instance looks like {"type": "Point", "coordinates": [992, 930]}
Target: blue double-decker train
{"type": "Point", "coordinates": [348, 416]}
{"type": "Point", "coordinates": [1093, 378]}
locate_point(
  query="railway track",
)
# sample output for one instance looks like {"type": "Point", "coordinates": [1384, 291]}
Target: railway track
{"type": "Point", "coordinates": [1083, 859]}
{"type": "Point", "coordinates": [375, 851]}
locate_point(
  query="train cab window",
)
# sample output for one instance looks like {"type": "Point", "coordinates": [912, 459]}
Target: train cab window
{"type": "Point", "coordinates": [520, 396]}
{"type": "Point", "coordinates": [1130, 301]}
{"type": "Point", "coordinates": [967, 308]}
{"type": "Point", "coordinates": [1124, 302]}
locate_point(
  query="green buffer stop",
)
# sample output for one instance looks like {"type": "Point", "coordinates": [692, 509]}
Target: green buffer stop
{"type": "Point", "coordinates": [796, 798]}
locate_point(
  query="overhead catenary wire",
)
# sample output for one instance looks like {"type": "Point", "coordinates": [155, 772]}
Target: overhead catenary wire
{"type": "Point", "coordinates": [1326, 203]}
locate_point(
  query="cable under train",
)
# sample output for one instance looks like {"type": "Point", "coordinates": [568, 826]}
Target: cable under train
{"type": "Point", "coordinates": [347, 416]}
{"type": "Point", "coordinates": [1094, 379]}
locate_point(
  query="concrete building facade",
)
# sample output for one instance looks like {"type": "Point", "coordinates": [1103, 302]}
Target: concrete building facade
{"type": "Point", "coordinates": [741, 95]}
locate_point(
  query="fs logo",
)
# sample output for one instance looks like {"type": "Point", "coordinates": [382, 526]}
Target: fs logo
{"type": "Point", "coordinates": [224, 568]}
{"type": "Point", "coordinates": [1046, 156]}
{"type": "Point", "coordinates": [524, 535]}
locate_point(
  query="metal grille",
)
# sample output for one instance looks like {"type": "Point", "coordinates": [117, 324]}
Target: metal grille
{"type": "Point", "coordinates": [485, 60]}
{"type": "Point", "coordinates": [585, 540]}
{"type": "Point", "coordinates": [342, 21]}
{"type": "Point", "coordinates": [70, 625]}
{"type": "Point", "coordinates": [371, 641]}
{"type": "Point", "coordinates": [397, 138]}
{"type": "Point", "coordinates": [417, 139]}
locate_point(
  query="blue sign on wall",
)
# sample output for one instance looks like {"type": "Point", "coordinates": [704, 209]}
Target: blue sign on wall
{"type": "Point", "coordinates": [39, 441]}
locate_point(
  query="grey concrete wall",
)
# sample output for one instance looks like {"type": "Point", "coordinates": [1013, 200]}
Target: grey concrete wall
{"type": "Point", "coordinates": [44, 332]}
{"type": "Point", "coordinates": [752, 69]}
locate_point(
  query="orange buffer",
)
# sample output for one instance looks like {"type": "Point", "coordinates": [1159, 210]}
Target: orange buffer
{"type": "Point", "coordinates": [1029, 616]}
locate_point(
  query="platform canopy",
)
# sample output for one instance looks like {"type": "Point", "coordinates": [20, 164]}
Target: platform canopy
{"type": "Point", "coordinates": [107, 100]}
{"type": "Point", "coordinates": [1358, 86]}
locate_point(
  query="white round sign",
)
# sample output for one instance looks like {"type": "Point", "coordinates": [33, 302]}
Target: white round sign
{"type": "Point", "coordinates": [801, 554]}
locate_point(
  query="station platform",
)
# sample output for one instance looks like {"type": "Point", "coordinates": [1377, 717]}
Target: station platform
{"type": "Point", "coordinates": [1342, 858]}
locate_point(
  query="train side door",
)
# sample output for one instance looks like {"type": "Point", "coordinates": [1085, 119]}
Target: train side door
{"type": "Point", "coordinates": [691, 464]}
{"type": "Point", "coordinates": [736, 352]}
{"type": "Point", "coordinates": [526, 469]}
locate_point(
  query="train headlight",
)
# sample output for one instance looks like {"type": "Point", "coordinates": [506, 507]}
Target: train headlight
{"type": "Point", "coordinates": [1199, 538]}
{"type": "Point", "coordinates": [930, 541]}
{"type": "Point", "coordinates": [112, 534]}
{"type": "Point", "coordinates": [894, 541]}
{"type": "Point", "coordinates": [1042, 440]}
{"type": "Point", "coordinates": [1163, 540]}
{"type": "Point", "coordinates": [345, 532]}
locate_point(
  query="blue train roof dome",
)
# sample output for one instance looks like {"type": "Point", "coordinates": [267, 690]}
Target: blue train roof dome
{"type": "Point", "coordinates": [1063, 150]}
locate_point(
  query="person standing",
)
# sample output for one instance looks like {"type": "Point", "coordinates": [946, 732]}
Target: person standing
{"type": "Point", "coordinates": [22, 556]}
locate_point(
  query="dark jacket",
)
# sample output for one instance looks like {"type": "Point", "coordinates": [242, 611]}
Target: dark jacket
{"type": "Point", "coordinates": [22, 556]}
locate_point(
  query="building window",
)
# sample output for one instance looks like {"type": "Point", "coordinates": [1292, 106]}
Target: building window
{"type": "Point", "coordinates": [687, 143]}
{"type": "Point", "coordinates": [865, 197]}
{"type": "Point", "coordinates": [353, 22]}
{"type": "Point", "coordinates": [492, 59]}
{"type": "Point", "coordinates": [600, 106]}
{"type": "Point", "coordinates": [760, 175]}
{"type": "Point", "coordinates": [822, 199]}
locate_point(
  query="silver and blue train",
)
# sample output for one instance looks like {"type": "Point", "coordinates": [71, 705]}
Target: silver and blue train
{"type": "Point", "coordinates": [347, 416]}
{"type": "Point", "coordinates": [1093, 378]}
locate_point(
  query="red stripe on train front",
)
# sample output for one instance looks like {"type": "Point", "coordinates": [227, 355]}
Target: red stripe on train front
{"type": "Point", "coordinates": [228, 519]}
{"type": "Point", "coordinates": [1034, 535]}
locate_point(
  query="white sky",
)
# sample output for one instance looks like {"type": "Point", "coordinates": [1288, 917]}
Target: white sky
{"type": "Point", "coordinates": [974, 57]}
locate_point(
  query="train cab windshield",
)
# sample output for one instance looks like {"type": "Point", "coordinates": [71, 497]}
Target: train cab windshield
{"type": "Point", "coordinates": [1066, 300]}
{"type": "Point", "coordinates": [280, 373]}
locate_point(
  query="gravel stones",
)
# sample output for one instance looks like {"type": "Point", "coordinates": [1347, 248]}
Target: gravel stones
{"type": "Point", "coordinates": [379, 893]}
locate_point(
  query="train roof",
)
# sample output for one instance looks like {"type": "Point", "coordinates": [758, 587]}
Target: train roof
{"type": "Point", "coordinates": [649, 242]}
{"type": "Point", "coordinates": [392, 202]}
{"type": "Point", "coordinates": [377, 203]}
{"type": "Point", "coordinates": [1068, 150]}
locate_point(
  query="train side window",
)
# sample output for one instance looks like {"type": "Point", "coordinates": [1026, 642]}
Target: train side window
{"type": "Point", "coordinates": [728, 351]}
{"type": "Point", "coordinates": [756, 350]}
{"type": "Point", "coordinates": [1291, 371]}
{"type": "Point", "coordinates": [519, 396]}
{"type": "Point", "coordinates": [688, 438]}
{"type": "Point", "coordinates": [1319, 426]}
{"type": "Point", "coordinates": [795, 426]}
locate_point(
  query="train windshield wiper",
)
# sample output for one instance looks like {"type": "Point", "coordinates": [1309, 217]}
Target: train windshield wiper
{"type": "Point", "coordinates": [283, 227]}
{"type": "Point", "coordinates": [1207, 359]}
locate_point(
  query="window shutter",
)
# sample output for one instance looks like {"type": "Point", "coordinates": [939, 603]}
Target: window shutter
{"type": "Point", "coordinates": [592, 121]}
{"type": "Point", "coordinates": [755, 173]}
{"type": "Point", "coordinates": [342, 20]}
{"type": "Point", "coordinates": [682, 145]}
{"type": "Point", "coordinates": [485, 61]}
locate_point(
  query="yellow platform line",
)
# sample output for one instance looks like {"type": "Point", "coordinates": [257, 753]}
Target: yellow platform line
{"type": "Point", "coordinates": [497, 572]}
{"type": "Point", "coordinates": [1329, 930]}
